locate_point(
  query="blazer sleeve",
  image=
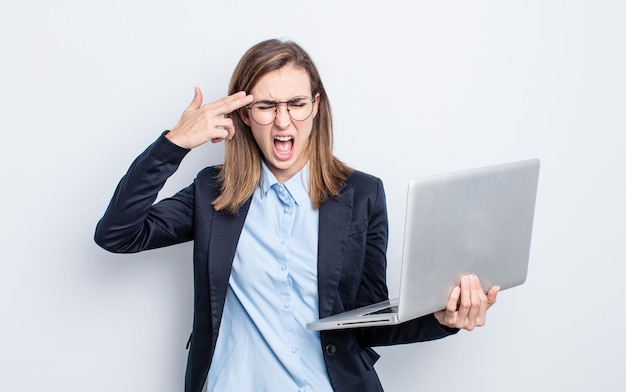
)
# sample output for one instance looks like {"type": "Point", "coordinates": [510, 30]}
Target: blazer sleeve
{"type": "Point", "coordinates": [373, 287]}
{"type": "Point", "coordinates": [132, 222]}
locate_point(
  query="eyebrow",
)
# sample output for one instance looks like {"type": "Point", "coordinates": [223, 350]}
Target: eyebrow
{"type": "Point", "coordinates": [269, 101]}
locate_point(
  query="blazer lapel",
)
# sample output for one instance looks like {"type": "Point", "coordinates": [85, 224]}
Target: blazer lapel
{"type": "Point", "coordinates": [225, 233]}
{"type": "Point", "coordinates": [334, 225]}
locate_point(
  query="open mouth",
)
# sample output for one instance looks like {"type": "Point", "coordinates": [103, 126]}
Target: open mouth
{"type": "Point", "coordinates": [283, 145]}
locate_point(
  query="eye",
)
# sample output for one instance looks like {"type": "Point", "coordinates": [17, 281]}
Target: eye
{"type": "Point", "coordinates": [265, 106]}
{"type": "Point", "coordinates": [298, 102]}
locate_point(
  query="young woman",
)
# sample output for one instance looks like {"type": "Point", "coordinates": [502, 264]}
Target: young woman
{"type": "Point", "coordinates": [284, 233]}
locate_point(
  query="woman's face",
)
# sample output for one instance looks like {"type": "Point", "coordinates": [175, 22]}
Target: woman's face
{"type": "Point", "coordinates": [284, 142]}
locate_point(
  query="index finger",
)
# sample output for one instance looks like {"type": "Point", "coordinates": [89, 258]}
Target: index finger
{"type": "Point", "coordinates": [476, 287]}
{"type": "Point", "coordinates": [232, 102]}
{"type": "Point", "coordinates": [479, 299]}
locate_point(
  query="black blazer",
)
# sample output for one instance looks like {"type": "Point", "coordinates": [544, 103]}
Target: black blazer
{"type": "Point", "coordinates": [351, 259]}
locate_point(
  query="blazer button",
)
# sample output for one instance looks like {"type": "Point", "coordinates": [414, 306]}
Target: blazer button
{"type": "Point", "coordinates": [330, 349]}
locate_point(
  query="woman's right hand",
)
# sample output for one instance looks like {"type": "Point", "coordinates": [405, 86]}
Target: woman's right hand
{"type": "Point", "coordinates": [201, 123]}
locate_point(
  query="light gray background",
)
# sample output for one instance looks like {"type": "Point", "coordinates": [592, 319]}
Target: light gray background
{"type": "Point", "coordinates": [417, 88]}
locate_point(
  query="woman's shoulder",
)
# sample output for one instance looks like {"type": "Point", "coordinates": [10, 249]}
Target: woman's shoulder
{"type": "Point", "coordinates": [360, 178]}
{"type": "Point", "coordinates": [210, 172]}
{"type": "Point", "coordinates": [364, 183]}
{"type": "Point", "coordinates": [208, 179]}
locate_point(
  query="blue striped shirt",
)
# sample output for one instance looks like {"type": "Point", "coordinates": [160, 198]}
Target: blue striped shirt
{"type": "Point", "coordinates": [263, 342]}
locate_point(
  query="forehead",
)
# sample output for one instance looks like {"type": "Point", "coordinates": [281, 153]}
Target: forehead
{"type": "Point", "coordinates": [282, 84]}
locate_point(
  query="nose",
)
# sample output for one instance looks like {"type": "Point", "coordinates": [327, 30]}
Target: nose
{"type": "Point", "coordinates": [282, 116]}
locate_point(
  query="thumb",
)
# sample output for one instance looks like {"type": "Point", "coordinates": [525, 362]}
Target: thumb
{"type": "Point", "coordinates": [197, 99]}
{"type": "Point", "coordinates": [492, 295]}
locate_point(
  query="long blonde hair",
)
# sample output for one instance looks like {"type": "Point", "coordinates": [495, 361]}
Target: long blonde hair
{"type": "Point", "coordinates": [241, 172]}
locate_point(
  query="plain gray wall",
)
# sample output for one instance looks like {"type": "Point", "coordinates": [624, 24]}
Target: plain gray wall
{"type": "Point", "coordinates": [417, 88]}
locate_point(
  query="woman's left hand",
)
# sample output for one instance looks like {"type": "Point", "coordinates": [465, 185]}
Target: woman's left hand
{"type": "Point", "coordinates": [467, 305]}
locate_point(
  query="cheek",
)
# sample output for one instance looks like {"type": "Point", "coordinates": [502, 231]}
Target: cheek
{"type": "Point", "coordinates": [305, 134]}
{"type": "Point", "coordinates": [260, 137]}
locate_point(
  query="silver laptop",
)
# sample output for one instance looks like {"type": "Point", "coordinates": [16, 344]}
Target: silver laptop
{"type": "Point", "coordinates": [476, 221]}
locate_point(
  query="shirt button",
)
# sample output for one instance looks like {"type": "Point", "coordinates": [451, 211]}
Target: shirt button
{"type": "Point", "coordinates": [283, 267]}
{"type": "Point", "coordinates": [330, 349]}
{"type": "Point", "coordinates": [294, 349]}
{"type": "Point", "coordinates": [287, 305]}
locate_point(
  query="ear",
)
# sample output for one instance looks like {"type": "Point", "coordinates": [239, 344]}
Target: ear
{"type": "Point", "coordinates": [316, 105]}
{"type": "Point", "coordinates": [244, 113]}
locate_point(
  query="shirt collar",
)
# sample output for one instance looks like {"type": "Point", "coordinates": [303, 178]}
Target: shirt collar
{"type": "Point", "coordinates": [297, 186]}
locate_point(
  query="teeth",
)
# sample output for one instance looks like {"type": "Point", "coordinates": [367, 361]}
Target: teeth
{"type": "Point", "coordinates": [283, 138]}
